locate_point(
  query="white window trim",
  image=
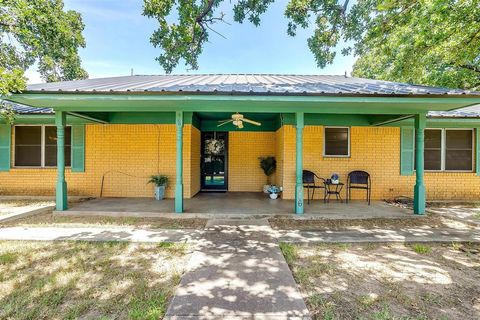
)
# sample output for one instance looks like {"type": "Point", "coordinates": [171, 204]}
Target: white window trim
{"type": "Point", "coordinates": [325, 142]}
{"type": "Point", "coordinates": [42, 146]}
{"type": "Point", "coordinates": [443, 151]}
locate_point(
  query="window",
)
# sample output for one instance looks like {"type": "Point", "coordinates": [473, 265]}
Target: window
{"type": "Point", "coordinates": [36, 146]}
{"type": "Point", "coordinates": [448, 150]}
{"type": "Point", "coordinates": [337, 142]}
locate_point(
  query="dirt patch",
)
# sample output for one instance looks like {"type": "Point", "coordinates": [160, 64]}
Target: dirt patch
{"type": "Point", "coordinates": [418, 281]}
{"type": "Point", "coordinates": [429, 221]}
{"type": "Point", "coordinates": [51, 220]}
{"type": "Point", "coordinates": [88, 280]}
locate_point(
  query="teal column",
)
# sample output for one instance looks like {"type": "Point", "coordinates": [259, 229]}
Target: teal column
{"type": "Point", "coordinates": [419, 190]}
{"type": "Point", "coordinates": [299, 120]}
{"type": "Point", "coordinates": [179, 164]}
{"type": "Point", "coordinates": [61, 191]}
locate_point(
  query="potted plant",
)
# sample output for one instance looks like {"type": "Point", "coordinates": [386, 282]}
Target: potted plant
{"type": "Point", "coordinates": [274, 191]}
{"type": "Point", "coordinates": [160, 181]}
{"type": "Point", "coordinates": [268, 165]}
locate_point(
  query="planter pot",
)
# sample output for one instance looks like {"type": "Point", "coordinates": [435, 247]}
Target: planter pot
{"type": "Point", "coordinates": [265, 188]}
{"type": "Point", "coordinates": [273, 196]}
{"type": "Point", "coordinates": [159, 192]}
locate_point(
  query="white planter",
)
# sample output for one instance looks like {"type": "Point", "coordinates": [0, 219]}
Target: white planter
{"type": "Point", "coordinates": [159, 192]}
{"type": "Point", "coordinates": [273, 196]}
{"type": "Point", "coordinates": [265, 188]}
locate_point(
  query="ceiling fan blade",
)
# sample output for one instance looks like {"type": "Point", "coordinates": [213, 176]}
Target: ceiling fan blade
{"type": "Point", "coordinates": [225, 122]}
{"type": "Point", "coordinates": [252, 122]}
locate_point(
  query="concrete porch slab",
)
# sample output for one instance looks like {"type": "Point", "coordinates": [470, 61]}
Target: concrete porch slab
{"type": "Point", "coordinates": [234, 205]}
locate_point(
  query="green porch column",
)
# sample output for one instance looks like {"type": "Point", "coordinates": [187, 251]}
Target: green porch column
{"type": "Point", "coordinates": [419, 190]}
{"type": "Point", "coordinates": [179, 164]}
{"type": "Point", "coordinates": [61, 191]}
{"type": "Point", "coordinates": [299, 120]}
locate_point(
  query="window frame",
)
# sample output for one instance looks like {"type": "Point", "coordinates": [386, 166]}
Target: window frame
{"type": "Point", "coordinates": [42, 146]}
{"type": "Point", "coordinates": [443, 151]}
{"type": "Point", "coordinates": [325, 142]}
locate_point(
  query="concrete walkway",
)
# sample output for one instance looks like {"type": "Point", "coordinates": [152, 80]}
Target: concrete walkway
{"type": "Point", "coordinates": [197, 236]}
{"type": "Point", "coordinates": [238, 272]}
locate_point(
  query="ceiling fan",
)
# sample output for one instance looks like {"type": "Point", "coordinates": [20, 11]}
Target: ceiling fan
{"type": "Point", "coordinates": [238, 120]}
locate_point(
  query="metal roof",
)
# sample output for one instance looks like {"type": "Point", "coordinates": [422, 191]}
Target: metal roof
{"type": "Point", "coordinates": [23, 109]}
{"type": "Point", "coordinates": [283, 84]}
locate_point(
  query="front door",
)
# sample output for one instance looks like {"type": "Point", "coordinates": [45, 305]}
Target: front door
{"type": "Point", "coordinates": [214, 161]}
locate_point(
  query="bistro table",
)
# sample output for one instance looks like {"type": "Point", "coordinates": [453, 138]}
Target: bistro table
{"type": "Point", "coordinates": [333, 188]}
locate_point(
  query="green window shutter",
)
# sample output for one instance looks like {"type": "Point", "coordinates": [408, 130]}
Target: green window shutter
{"type": "Point", "coordinates": [407, 151]}
{"type": "Point", "coordinates": [5, 144]}
{"type": "Point", "coordinates": [78, 148]}
{"type": "Point", "coordinates": [477, 150]}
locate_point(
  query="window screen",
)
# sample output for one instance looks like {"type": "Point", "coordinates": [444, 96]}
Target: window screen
{"type": "Point", "coordinates": [458, 150]}
{"type": "Point", "coordinates": [28, 146]}
{"type": "Point", "coordinates": [336, 142]}
{"type": "Point", "coordinates": [51, 146]}
{"type": "Point", "coordinates": [433, 150]}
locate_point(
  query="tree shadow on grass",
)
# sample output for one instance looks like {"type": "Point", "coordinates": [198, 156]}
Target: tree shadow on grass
{"type": "Point", "coordinates": [69, 280]}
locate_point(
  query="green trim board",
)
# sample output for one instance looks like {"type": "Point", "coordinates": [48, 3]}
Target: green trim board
{"type": "Point", "coordinates": [441, 123]}
{"type": "Point", "coordinates": [103, 102]}
{"type": "Point", "coordinates": [78, 148]}
{"type": "Point", "coordinates": [141, 117]}
{"type": "Point", "coordinates": [407, 149]}
{"type": "Point", "coordinates": [5, 146]}
{"type": "Point", "coordinates": [44, 119]}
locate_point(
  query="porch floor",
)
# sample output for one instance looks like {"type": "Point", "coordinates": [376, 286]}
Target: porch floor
{"type": "Point", "coordinates": [234, 204]}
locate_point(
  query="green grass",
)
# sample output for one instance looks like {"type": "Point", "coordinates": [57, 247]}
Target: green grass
{"type": "Point", "coordinates": [91, 280]}
{"type": "Point", "coordinates": [289, 252]}
{"type": "Point", "coordinates": [421, 248]}
{"type": "Point", "coordinates": [8, 257]}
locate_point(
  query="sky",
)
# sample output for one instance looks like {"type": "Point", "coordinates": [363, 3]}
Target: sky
{"type": "Point", "coordinates": [117, 38]}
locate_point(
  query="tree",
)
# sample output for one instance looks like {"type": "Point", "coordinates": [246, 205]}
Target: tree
{"type": "Point", "coordinates": [431, 42]}
{"type": "Point", "coordinates": [42, 32]}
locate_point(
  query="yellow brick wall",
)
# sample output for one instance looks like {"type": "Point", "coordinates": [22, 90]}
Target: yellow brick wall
{"type": "Point", "coordinates": [377, 151]}
{"type": "Point", "coordinates": [125, 155]}
{"type": "Point", "coordinates": [244, 173]}
{"type": "Point", "coordinates": [279, 150]}
{"type": "Point", "coordinates": [195, 155]}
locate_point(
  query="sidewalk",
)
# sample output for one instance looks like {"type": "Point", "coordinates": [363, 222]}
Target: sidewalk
{"type": "Point", "coordinates": [194, 236]}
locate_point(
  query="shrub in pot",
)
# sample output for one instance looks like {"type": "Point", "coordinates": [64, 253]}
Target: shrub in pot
{"type": "Point", "coordinates": [268, 165]}
{"type": "Point", "coordinates": [160, 181]}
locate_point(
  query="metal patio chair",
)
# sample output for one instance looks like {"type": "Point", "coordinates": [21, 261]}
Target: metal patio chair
{"type": "Point", "coordinates": [359, 180]}
{"type": "Point", "coordinates": [309, 182]}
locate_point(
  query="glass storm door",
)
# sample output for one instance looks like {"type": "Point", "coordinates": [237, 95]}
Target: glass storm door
{"type": "Point", "coordinates": [214, 161]}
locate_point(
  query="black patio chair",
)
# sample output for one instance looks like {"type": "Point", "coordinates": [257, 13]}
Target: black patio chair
{"type": "Point", "coordinates": [359, 180]}
{"type": "Point", "coordinates": [309, 182]}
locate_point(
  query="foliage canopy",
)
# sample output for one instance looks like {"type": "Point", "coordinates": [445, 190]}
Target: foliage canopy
{"type": "Point", "coordinates": [431, 42]}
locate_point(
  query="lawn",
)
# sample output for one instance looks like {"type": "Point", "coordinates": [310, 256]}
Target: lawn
{"type": "Point", "coordinates": [374, 281]}
{"type": "Point", "coordinates": [51, 220]}
{"type": "Point", "coordinates": [430, 220]}
{"type": "Point", "coordinates": [86, 280]}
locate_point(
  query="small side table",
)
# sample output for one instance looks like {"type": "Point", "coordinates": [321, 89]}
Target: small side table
{"type": "Point", "coordinates": [333, 188]}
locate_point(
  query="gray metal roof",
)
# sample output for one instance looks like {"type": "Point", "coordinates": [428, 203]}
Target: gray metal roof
{"type": "Point", "coordinates": [23, 109]}
{"type": "Point", "coordinates": [469, 112]}
{"type": "Point", "coordinates": [245, 83]}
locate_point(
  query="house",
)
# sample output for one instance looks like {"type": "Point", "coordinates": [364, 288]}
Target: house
{"type": "Point", "coordinates": [106, 136]}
